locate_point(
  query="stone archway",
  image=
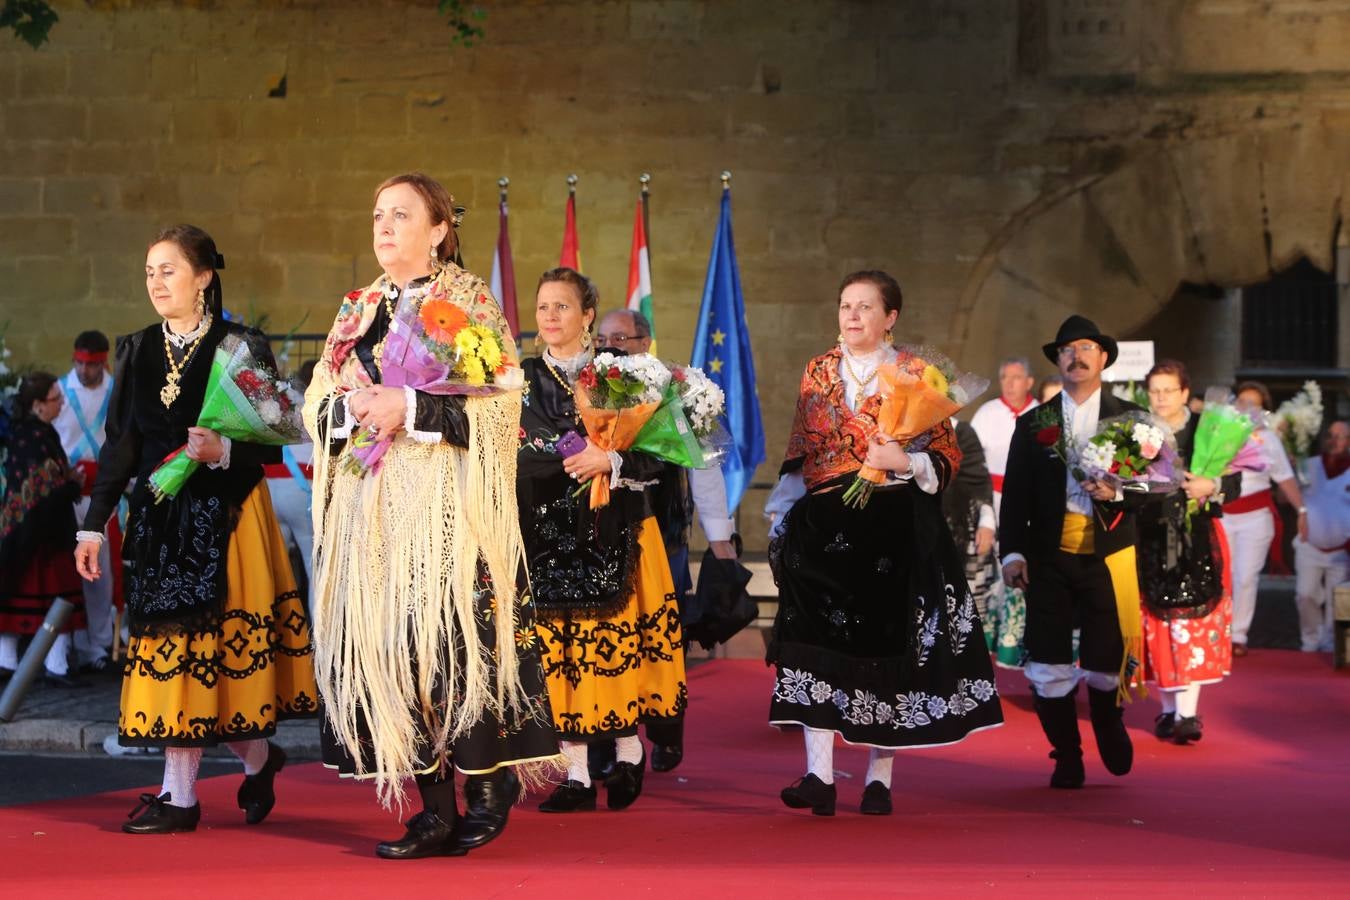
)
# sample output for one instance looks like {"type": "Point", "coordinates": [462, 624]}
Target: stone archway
{"type": "Point", "coordinates": [1225, 211]}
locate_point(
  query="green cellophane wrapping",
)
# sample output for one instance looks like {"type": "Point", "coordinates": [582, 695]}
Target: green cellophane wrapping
{"type": "Point", "coordinates": [668, 435]}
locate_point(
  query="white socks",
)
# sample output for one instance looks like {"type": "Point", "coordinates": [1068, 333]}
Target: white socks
{"type": "Point", "coordinates": [578, 767]}
{"type": "Point", "coordinates": [820, 753]}
{"type": "Point", "coordinates": [180, 775]}
{"type": "Point", "coordinates": [253, 754]}
{"type": "Point", "coordinates": [58, 658]}
{"type": "Point", "coordinates": [628, 749]}
{"type": "Point", "coordinates": [1188, 701]}
{"type": "Point", "coordinates": [9, 651]}
{"type": "Point", "coordinates": [879, 766]}
{"type": "Point", "coordinates": [1182, 703]}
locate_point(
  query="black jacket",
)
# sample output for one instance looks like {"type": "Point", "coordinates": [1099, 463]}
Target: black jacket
{"type": "Point", "coordinates": [1032, 516]}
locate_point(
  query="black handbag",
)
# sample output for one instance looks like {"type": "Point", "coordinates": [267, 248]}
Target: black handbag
{"type": "Point", "coordinates": [721, 604]}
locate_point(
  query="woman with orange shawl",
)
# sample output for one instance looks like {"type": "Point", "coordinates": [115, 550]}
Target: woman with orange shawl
{"type": "Point", "coordinates": [877, 637]}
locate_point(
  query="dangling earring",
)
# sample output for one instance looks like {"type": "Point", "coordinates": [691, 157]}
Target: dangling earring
{"type": "Point", "coordinates": [839, 338]}
{"type": "Point", "coordinates": [890, 338]}
{"type": "Point", "coordinates": [585, 339]}
{"type": "Point", "coordinates": [201, 302]}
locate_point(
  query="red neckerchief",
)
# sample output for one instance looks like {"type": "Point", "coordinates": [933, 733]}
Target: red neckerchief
{"type": "Point", "coordinates": [1015, 412]}
{"type": "Point", "coordinates": [1335, 466]}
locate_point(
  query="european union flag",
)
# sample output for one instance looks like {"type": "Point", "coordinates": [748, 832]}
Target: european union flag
{"type": "Point", "coordinates": [722, 350]}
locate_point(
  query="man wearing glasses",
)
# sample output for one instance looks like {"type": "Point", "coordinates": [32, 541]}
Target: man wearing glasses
{"type": "Point", "coordinates": [1063, 542]}
{"type": "Point", "coordinates": [629, 332]}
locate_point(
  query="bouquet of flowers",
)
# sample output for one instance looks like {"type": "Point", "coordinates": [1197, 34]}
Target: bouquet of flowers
{"type": "Point", "coordinates": [1131, 451]}
{"type": "Point", "coordinates": [686, 428]}
{"type": "Point", "coordinates": [1298, 420]}
{"type": "Point", "coordinates": [1223, 441]}
{"type": "Point", "coordinates": [616, 397]}
{"type": "Point", "coordinates": [433, 347]}
{"type": "Point", "coordinates": [920, 389]}
{"type": "Point", "coordinates": [245, 401]}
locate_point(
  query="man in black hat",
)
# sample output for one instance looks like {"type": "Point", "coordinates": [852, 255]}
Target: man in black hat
{"type": "Point", "coordinates": [1069, 545]}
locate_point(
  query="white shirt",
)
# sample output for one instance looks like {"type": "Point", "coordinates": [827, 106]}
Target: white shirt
{"type": "Point", "coordinates": [1278, 468]}
{"type": "Point", "coordinates": [67, 424]}
{"type": "Point", "coordinates": [1080, 424]}
{"type": "Point", "coordinates": [1328, 503]}
{"type": "Point", "coordinates": [994, 423]}
{"type": "Point", "coordinates": [708, 489]}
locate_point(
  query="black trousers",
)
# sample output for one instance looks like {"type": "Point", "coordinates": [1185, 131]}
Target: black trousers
{"type": "Point", "coordinates": [1067, 591]}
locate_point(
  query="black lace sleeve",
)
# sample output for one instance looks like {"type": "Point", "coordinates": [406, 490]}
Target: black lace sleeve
{"type": "Point", "coordinates": [121, 452]}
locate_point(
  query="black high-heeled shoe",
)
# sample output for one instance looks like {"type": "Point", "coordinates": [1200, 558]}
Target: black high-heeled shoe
{"type": "Point", "coordinates": [570, 796]}
{"type": "Point", "coordinates": [256, 796]}
{"type": "Point", "coordinates": [487, 803]}
{"type": "Point", "coordinates": [876, 800]}
{"type": "Point", "coordinates": [624, 785]}
{"type": "Point", "coordinates": [809, 792]}
{"type": "Point", "coordinates": [428, 835]}
{"type": "Point", "coordinates": [158, 816]}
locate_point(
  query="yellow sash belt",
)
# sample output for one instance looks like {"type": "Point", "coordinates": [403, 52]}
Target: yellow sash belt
{"type": "Point", "coordinates": [1078, 537]}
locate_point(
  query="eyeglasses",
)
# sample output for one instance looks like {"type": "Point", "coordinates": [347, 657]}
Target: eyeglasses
{"type": "Point", "coordinates": [612, 340]}
{"type": "Point", "coordinates": [1163, 392]}
{"type": "Point", "coordinates": [1082, 349]}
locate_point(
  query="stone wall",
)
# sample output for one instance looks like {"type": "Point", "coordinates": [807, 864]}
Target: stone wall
{"type": "Point", "coordinates": [1008, 161]}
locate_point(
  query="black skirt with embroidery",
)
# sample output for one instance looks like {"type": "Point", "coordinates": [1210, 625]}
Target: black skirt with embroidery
{"type": "Point", "coordinates": [877, 635]}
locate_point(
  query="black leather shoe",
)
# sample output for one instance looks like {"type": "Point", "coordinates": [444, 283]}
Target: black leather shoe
{"type": "Point", "coordinates": [62, 681]}
{"type": "Point", "coordinates": [1108, 727]}
{"type": "Point", "coordinates": [665, 758]}
{"type": "Point", "coordinates": [487, 802]}
{"type": "Point", "coordinates": [570, 796]}
{"type": "Point", "coordinates": [159, 817]}
{"type": "Point", "coordinates": [876, 800]}
{"type": "Point", "coordinates": [1187, 730]}
{"type": "Point", "coordinates": [600, 759]}
{"type": "Point", "coordinates": [428, 835]}
{"type": "Point", "coordinates": [1069, 773]}
{"type": "Point", "coordinates": [256, 796]}
{"type": "Point", "coordinates": [1164, 725]}
{"type": "Point", "coordinates": [809, 792]}
{"type": "Point", "coordinates": [624, 785]}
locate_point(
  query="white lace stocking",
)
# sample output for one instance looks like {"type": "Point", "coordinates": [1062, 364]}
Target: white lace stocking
{"type": "Point", "coordinates": [578, 766]}
{"type": "Point", "coordinates": [879, 766]}
{"type": "Point", "coordinates": [820, 753]}
{"type": "Point", "coordinates": [180, 775]}
{"type": "Point", "coordinates": [628, 749]}
{"type": "Point", "coordinates": [253, 754]}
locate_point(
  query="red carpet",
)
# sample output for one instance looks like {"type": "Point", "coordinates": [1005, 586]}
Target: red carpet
{"type": "Point", "coordinates": [1257, 808]}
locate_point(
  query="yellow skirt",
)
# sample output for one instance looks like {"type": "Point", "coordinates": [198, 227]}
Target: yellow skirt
{"type": "Point", "coordinates": [233, 682]}
{"type": "Point", "coordinates": [606, 675]}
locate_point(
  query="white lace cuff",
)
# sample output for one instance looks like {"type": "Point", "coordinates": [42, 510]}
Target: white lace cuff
{"type": "Point", "coordinates": [410, 420]}
{"type": "Point", "coordinates": [224, 461]}
{"type": "Point", "coordinates": [83, 537]}
{"type": "Point", "coordinates": [338, 408]}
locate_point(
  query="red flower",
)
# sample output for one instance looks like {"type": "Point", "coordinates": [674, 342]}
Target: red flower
{"type": "Point", "coordinates": [677, 374]}
{"type": "Point", "coordinates": [248, 381]}
{"type": "Point", "coordinates": [1115, 467]}
{"type": "Point", "coordinates": [522, 432]}
{"type": "Point", "coordinates": [1048, 436]}
{"type": "Point", "coordinates": [587, 377]}
{"type": "Point", "coordinates": [613, 372]}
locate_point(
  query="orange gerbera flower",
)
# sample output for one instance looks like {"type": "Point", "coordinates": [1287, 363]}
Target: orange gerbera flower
{"type": "Point", "coordinates": [442, 320]}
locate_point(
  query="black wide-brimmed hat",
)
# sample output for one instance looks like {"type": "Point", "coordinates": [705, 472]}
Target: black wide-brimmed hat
{"type": "Point", "coordinates": [1077, 328]}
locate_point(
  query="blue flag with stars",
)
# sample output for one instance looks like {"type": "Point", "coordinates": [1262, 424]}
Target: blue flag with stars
{"type": "Point", "coordinates": [722, 350]}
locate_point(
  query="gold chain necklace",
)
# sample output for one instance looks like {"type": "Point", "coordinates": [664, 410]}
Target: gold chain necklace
{"type": "Point", "coordinates": [378, 352]}
{"type": "Point", "coordinates": [171, 390]}
{"type": "Point", "coordinates": [861, 393]}
{"type": "Point", "coordinates": [576, 417]}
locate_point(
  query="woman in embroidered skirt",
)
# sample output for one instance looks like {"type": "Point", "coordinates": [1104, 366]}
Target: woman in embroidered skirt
{"type": "Point", "coordinates": [37, 528]}
{"type": "Point", "coordinates": [1183, 572]}
{"type": "Point", "coordinates": [220, 647]}
{"type": "Point", "coordinates": [424, 633]}
{"type": "Point", "coordinates": [607, 610]}
{"type": "Point", "coordinates": [877, 637]}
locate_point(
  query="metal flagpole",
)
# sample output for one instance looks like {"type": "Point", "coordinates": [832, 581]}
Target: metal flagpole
{"type": "Point", "coordinates": [32, 661]}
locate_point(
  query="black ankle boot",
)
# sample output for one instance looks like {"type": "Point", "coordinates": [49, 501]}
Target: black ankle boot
{"type": "Point", "coordinates": [667, 737]}
{"type": "Point", "coordinates": [160, 817]}
{"type": "Point", "coordinates": [570, 796]}
{"type": "Point", "coordinates": [810, 792]}
{"type": "Point", "coordinates": [1059, 721]}
{"type": "Point", "coordinates": [624, 785]}
{"type": "Point", "coordinates": [1108, 726]}
{"type": "Point", "coordinates": [256, 796]}
{"type": "Point", "coordinates": [876, 800]}
{"type": "Point", "coordinates": [1187, 730]}
{"type": "Point", "coordinates": [487, 802]}
{"type": "Point", "coordinates": [428, 835]}
{"type": "Point", "coordinates": [1164, 725]}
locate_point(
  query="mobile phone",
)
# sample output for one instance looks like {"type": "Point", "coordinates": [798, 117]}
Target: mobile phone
{"type": "Point", "coordinates": [571, 444]}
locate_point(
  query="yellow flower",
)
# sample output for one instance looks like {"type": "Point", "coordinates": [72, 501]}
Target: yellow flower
{"type": "Point", "coordinates": [933, 377]}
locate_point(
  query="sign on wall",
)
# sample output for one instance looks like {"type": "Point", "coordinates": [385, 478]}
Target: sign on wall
{"type": "Point", "coordinates": [1133, 363]}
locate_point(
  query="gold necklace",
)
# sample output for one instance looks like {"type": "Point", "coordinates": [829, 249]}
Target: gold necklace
{"type": "Point", "coordinates": [576, 417]}
{"type": "Point", "coordinates": [861, 394]}
{"type": "Point", "coordinates": [378, 352]}
{"type": "Point", "coordinates": [171, 390]}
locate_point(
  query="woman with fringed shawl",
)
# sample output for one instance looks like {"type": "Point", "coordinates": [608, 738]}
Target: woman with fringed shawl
{"type": "Point", "coordinates": [424, 635]}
